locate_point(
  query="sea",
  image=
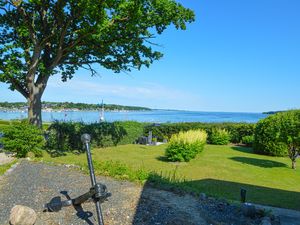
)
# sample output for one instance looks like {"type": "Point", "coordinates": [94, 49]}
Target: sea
{"type": "Point", "coordinates": [153, 116]}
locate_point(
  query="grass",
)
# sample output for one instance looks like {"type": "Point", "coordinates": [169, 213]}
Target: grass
{"type": "Point", "coordinates": [219, 171]}
{"type": "Point", "coordinates": [5, 167]}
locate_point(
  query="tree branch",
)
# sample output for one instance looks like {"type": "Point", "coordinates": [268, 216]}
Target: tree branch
{"type": "Point", "coordinates": [18, 87]}
{"type": "Point", "coordinates": [29, 25]}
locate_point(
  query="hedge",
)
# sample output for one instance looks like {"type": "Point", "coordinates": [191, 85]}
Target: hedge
{"type": "Point", "coordinates": [65, 136]}
{"type": "Point", "coordinates": [166, 130]}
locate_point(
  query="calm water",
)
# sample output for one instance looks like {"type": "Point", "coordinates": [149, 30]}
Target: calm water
{"type": "Point", "coordinates": [158, 116]}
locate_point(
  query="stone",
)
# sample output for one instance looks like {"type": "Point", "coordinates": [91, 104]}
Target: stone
{"type": "Point", "coordinates": [248, 210]}
{"type": "Point", "coordinates": [202, 196]}
{"type": "Point", "coordinates": [150, 138]}
{"type": "Point", "coordinates": [265, 221]}
{"type": "Point", "coordinates": [22, 215]}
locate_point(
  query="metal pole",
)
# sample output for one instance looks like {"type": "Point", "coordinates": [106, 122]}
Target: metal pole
{"type": "Point", "coordinates": [86, 139]}
{"type": "Point", "coordinates": [90, 163]}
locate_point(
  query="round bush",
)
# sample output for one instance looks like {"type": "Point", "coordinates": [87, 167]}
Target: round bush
{"type": "Point", "coordinates": [219, 137]}
{"type": "Point", "coordinates": [273, 134]}
{"type": "Point", "coordinates": [22, 138]}
{"type": "Point", "coordinates": [185, 145]}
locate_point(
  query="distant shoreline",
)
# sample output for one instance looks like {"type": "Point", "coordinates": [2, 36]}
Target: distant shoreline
{"type": "Point", "coordinates": [70, 107]}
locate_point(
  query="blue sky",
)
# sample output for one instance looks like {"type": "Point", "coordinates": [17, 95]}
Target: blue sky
{"type": "Point", "coordinates": [239, 56]}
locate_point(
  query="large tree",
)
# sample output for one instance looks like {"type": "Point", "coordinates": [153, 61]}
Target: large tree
{"type": "Point", "coordinates": [41, 38]}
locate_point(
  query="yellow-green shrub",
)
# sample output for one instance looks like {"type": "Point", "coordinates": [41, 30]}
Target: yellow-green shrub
{"type": "Point", "coordinates": [186, 145]}
{"type": "Point", "coordinates": [219, 137]}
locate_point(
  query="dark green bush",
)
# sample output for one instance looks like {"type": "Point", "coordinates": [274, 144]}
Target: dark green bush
{"type": "Point", "coordinates": [185, 145]}
{"type": "Point", "coordinates": [65, 136]}
{"type": "Point", "coordinates": [279, 135]}
{"type": "Point", "coordinates": [219, 137]}
{"type": "Point", "coordinates": [248, 140]}
{"type": "Point", "coordinates": [22, 138]}
{"type": "Point", "coordinates": [239, 130]}
{"type": "Point", "coordinates": [266, 137]}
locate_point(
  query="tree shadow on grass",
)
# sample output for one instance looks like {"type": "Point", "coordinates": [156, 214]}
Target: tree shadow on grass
{"type": "Point", "coordinates": [265, 163]}
{"type": "Point", "coordinates": [162, 158]}
{"type": "Point", "coordinates": [243, 149]}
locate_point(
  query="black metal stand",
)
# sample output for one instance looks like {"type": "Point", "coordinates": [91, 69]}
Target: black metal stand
{"type": "Point", "coordinates": [98, 192]}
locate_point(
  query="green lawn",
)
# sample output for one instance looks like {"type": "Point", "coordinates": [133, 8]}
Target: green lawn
{"type": "Point", "coordinates": [218, 171]}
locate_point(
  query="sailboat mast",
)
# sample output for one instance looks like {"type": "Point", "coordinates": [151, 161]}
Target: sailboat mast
{"type": "Point", "coordinates": [102, 112]}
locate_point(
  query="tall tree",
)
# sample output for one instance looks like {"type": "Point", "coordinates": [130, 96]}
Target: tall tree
{"type": "Point", "coordinates": [41, 38]}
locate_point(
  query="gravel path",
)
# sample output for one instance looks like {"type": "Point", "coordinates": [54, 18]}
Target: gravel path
{"type": "Point", "coordinates": [34, 184]}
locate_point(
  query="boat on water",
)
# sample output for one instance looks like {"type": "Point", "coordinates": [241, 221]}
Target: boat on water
{"type": "Point", "coordinates": [102, 119]}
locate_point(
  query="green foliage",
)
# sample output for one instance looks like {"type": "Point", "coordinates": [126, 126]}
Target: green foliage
{"type": "Point", "coordinates": [278, 134]}
{"type": "Point", "coordinates": [248, 140]}
{"type": "Point", "coordinates": [65, 136]}
{"type": "Point", "coordinates": [119, 170]}
{"type": "Point", "coordinates": [290, 133]}
{"type": "Point", "coordinates": [185, 145]}
{"type": "Point", "coordinates": [266, 137]}
{"type": "Point", "coordinates": [219, 137]}
{"type": "Point", "coordinates": [166, 130]}
{"type": "Point", "coordinates": [22, 138]}
{"type": "Point", "coordinates": [132, 129]}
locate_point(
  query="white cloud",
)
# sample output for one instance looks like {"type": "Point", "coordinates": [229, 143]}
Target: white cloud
{"type": "Point", "coordinates": [144, 91]}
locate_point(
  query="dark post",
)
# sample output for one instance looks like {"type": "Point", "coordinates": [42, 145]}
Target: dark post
{"type": "Point", "coordinates": [243, 195]}
{"type": "Point", "coordinates": [86, 139]}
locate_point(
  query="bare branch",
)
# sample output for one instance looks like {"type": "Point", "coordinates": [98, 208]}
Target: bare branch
{"type": "Point", "coordinates": [90, 68]}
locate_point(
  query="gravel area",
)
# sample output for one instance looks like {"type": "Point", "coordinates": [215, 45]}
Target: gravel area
{"type": "Point", "coordinates": [35, 184]}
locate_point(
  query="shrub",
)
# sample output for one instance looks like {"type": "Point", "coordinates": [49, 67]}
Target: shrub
{"type": "Point", "coordinates": [279, 135]}
{"type": "Point", "coordinates": [185, 145]}
{"type": "Point", "coordinates": [219, 137]}
{"type": "Point", "coordinates": [22, 138]}
{"type": "Point", "coordinates": [65, 136]}
{"type": "Point", "coordinates": [248, 140]}
{"type": "Point", "coordinates": [266, 136]}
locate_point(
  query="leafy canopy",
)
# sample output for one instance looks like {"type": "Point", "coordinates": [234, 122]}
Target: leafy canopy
{"type": "Point", "coordinates": [40, 38]}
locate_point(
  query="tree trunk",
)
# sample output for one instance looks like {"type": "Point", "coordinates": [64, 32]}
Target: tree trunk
{"type": "Point", "coordinates": [35, 108]}
{"type": "Point", "coordinates": [294, 164]}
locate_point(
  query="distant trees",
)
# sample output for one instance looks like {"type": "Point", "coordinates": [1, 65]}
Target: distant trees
{"type": "Point", "coordinates": [71, 105]}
